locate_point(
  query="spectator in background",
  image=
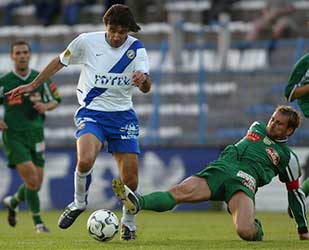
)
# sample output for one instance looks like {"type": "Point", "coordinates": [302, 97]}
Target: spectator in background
{"type": "Point", "coordinates": [72, 8]}
{"type": "Point", "coordinates": [217, 7]}
{"type": "Point", "coordinates": [47, 10]}
{"type": "Point", "coordinates": [275, 21]}
{"type": "Point", "coordinates": [9, 8]}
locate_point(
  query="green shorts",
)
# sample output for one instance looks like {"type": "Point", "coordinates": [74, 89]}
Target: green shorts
{"type": "Point", "coordinates": [224, 182]}
{"type": "Point", "coordinates": [24, 146]}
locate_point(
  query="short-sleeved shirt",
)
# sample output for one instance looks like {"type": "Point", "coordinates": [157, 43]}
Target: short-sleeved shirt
{"type": "Point", "coordinates": [105, 82]}
{"type": "Point", "coordinates": [19, 114]}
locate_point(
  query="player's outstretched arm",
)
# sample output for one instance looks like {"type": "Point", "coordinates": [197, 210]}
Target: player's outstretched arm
{"type": "Point", "coordinates": [51, 68]}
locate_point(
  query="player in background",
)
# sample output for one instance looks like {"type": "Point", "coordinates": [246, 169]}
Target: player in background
{"type": "Point", "coordinates": [23, 132]}
{"type": "Point", "coordinates": [297, 88]}
{"type": "Point", "coordinates": [113, 62]}
{"type": "Point", "coordinates": [236, 176]}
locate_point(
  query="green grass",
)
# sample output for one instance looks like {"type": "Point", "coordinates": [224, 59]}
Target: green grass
{"type": "Point", "coordinates": [170, 230]}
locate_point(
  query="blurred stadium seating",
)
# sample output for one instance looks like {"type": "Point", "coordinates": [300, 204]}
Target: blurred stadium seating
{"type": "Point", "coordinates": [195, 104]}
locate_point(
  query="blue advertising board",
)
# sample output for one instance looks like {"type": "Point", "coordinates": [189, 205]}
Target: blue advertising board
{"type": "Point", "coordinates": [159, 169]}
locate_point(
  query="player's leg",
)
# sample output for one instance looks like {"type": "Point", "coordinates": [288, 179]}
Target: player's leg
{"type": "Point", "coordinates": [193, 189]}
{"type": "Point", "coordinates": [128, 169]}
{"type": "Point", "coordinates": [88, 147]}
{"type": "Point", "coordinates": [32, 177]}
{"type": "Point", "coordinates": [12, 202]}
{"type": "Point", "coordinates": [122, 136]}
{"type": "Point", "coordinates": [242, 209]}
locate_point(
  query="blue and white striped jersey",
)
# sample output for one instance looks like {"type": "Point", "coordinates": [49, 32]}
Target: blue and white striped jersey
{"type": "Point", "coordinates": [105, 82]}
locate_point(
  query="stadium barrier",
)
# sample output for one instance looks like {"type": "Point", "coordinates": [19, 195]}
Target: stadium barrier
{"type": "Point", "coordinates": [160, 168]}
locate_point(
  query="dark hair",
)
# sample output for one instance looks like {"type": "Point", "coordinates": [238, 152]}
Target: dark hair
{"type": "Point", "coordinates": [294, 116]}
{"type": "Point", "coordinates": [19, 42]}
{"type": "Point", "coordinates": [121, 15]}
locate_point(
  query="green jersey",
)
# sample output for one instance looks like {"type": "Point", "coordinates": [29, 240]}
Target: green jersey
{"type": "Point", "coordinates": [259, 159]}
{"type": "Point", "coordinates": [19, 114]}
{"type": "Point", "coordinates": [299, 77]}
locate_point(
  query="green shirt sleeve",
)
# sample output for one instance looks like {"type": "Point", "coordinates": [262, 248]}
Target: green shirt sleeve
{"type": "Point", "coordinates": [297, 204]}
{"type": "Point", "coordinates": [50, 92]}
{"type": "Point", "coordinates": [299, 76]}
{"type": "Point", "coordinates": [296, 198]}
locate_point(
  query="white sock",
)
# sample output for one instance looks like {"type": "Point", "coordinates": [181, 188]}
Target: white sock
{"type": "Point", "coordinates": [81, 186]}
{"type": "Point", "coordinates": [129, 219]}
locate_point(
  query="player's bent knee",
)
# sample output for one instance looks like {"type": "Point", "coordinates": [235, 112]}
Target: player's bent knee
{"type": "Point", "coordinates": [85, 164]}
{"type": "Point", "coordinates": [32, 183]}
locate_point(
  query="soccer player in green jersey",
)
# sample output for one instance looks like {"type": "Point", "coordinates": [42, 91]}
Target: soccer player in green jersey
{"type": "Point", "coordinates": [236, 176]}
{"type": "Point", "coordinates": [297, 88]}
{"type": "Point", "coordinates": [23, 132]}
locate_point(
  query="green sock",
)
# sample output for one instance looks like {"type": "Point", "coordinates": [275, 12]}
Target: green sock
{"type": "Point", "coordinates": [305, 187]}
{"type": "Point", "coordinates": [33, 201]}
{"type": "Point", "coordinates": [259, 235]}
{"type": "Point", "coordinates": [18, 197]}
{"type": "Point", "coordinates": [157, 201]}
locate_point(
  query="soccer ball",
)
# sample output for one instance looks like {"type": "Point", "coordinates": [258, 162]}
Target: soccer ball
{"type": "Point", "coordinates": [102, 225]}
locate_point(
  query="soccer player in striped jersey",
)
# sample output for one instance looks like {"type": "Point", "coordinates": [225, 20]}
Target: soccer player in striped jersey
{"type": "Point", "coordinates": [236, 176]}
{"type": "Point", "coordinates": [23, 132]}
{"type": "Point", "coordinates": [113, 63]}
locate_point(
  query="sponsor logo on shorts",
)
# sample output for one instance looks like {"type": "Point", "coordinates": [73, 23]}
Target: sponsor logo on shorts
{"type": "Point", "coordinates": [80, 122]}
{"type": "Point", "coordinates": [273, 155]}
{"type": "Point", "coordinates": [248, 181]}
{"type": "Point", "coordinates": [40, 146]}
{"type": "Point", "coordinates": [81, 126]}
{"type": "Point", "coordinates": [130, 131]}
{"type": "Point", "coordinates": [253, 136]}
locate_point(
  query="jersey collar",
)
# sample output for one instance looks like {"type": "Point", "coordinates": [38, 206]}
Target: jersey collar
{"type": "Point", "coordinates": [24, 78]}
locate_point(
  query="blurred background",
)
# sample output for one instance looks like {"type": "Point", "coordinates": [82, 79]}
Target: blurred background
{"type": "Point", "coordinates": [216, 67]}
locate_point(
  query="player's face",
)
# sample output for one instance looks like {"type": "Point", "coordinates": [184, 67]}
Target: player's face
{"type": "Point", "coordinates": [21, 57]}
{"type": "Point", "coordinates": [116, 35]}
{"type": "Point", "coordinates": [277, 126]}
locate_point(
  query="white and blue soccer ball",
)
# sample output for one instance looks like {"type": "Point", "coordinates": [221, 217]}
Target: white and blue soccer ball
{"type": "Point", "coordinates": [103, 225]}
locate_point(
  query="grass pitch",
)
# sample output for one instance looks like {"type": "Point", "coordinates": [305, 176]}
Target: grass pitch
{"type": "Point", "coordinates": [169, 230]}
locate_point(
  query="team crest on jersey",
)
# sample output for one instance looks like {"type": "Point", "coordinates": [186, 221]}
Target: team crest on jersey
{"type": "Point", "coordinates": [252, 136]}
{"type": "Point", "coordinates": [273, 155]}
{"type": "Point", "coordinates": [67, 53]}
{"type": "Point", "coordinates": [131, 54]}
{"type": "Point", "coordinates": [267, 141]}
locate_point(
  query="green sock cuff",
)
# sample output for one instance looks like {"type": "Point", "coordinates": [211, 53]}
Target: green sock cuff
{"type": "Point", "coordinates": [37, 219]}
{"type": "Point", "coordinates": [19, 196]}
{"type": "Point", "coordinates": [157, 201]}
{"type": "Point", "coordinates": [33, 201]}
{"type": "Point", "coordinates": [259, 235]}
